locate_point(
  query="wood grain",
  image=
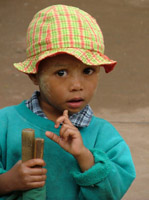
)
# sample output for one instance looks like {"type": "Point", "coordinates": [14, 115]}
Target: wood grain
{"type": "Point", "coordinates": [39, 146]}
{"type": "Point", "coordinates": [28, 140]}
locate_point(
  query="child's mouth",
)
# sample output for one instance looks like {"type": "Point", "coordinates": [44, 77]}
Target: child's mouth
{"type": "Point", "coordinates": [75, 103]}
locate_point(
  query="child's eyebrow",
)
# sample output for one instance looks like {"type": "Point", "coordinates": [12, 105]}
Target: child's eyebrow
{"type": "Point", "coordinates": [60, 65]}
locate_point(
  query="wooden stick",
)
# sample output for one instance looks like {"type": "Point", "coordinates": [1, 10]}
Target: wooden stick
{"type": "Point", "coordinates": [39, 146]}
{"type": "Point", "coordinates": [28, 140]}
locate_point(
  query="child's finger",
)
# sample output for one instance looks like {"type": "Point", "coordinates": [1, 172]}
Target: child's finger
{"type": "Point", "coordinates": [53, 137]}
{"type": "Point", "coordinates": [62, 119]}
{"type": "Point", "coordinates": [36, 184]}
{"type": "Point", "coordinates": [59, 121]}
{"type": "Point", "coordinates": [34, 162]}
{"type": "Point", "coordinates": [65, 113]}
{"type": "Point", "coordinates": [67, 120]}
{"type": "Point", "coordinates": [38, 178]}
{"type": "Point", "coordinates": [67, 134]}
{"type": "Point", "coordinates": [66, 127]}
{"type": "Point", "coordinates": [38, 171]}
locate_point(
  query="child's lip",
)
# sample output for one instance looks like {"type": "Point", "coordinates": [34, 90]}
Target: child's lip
{"type": "Point", "coordinates": [75, 102]}
{"type": "Point", "coordinates": [76, 99]}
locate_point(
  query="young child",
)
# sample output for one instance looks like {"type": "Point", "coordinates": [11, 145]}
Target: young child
{"type": "Point", "coordinates": [84, 156]}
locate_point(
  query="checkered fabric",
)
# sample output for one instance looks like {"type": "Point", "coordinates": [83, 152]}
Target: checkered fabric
{"type": "Point", "coordinates": [33, 105]}
{"type": "Point", "coordinates": [80, 119]}
{"type": "Point", "coordinates": [64, 29]}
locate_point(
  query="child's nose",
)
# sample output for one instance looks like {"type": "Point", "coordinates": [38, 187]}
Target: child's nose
{"type": "Point", "coordinates": [76, 84]}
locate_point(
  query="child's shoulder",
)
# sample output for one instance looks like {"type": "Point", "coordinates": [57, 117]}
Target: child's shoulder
{"type": "Point", "coordinates": [100, 121]}
{"type": "Point", "coordinates": [103, 126]}
{"type": "Point", "coordinates": [9, 109]}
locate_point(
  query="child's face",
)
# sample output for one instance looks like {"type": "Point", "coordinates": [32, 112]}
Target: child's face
{"type": "Point", "coordinates": [65, 84]}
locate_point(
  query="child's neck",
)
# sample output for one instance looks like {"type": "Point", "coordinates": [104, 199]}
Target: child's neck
{"type": "Point", "coordinates": [50, 112]}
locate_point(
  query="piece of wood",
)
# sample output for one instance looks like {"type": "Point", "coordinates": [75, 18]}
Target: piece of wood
{"type": "Point", "coordinates": [39, 146]}
{"type": "Point", "coordinates": [28, 140]}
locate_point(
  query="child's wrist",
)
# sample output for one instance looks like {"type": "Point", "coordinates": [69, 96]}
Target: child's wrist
{"type": "Point", "coordinates": [85, 159]}
{"type": "Point", "coordinates": [81, 154]}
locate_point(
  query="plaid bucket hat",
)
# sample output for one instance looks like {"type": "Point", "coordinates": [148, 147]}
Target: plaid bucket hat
{"type": "Point", "coordinates": [64, 29]}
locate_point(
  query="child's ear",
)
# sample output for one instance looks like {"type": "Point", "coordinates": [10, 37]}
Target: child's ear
{"type": "Point", "coordinates": [33, 78]}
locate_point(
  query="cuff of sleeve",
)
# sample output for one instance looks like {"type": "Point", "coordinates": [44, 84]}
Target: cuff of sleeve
{"type": "Point", "coordinates": [2, 171]}
{"type": "Point", "coordinates": [98, 172]}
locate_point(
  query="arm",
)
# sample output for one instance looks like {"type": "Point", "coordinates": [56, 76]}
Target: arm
{"type": "Point", "coordinates": [110, 177]}
{"type": "Point", "coordinates": [21, 176]}
{"type": "Point", "coordinates": [113, 172]}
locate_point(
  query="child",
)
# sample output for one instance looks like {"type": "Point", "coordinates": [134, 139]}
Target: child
{"type": "Point", "coordinates": [84, 156]}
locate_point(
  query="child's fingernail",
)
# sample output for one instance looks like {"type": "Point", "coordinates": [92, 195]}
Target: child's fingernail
{"type": "Point", "coordinates": [66, 112]}
{"type": "Point", "coordinates": [56, 125]}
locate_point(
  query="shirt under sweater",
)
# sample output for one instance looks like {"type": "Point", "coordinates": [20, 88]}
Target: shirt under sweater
{"type": "Point", "coordinates": [80, 119]}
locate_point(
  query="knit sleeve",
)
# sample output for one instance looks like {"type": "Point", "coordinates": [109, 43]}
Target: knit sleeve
{"type": "Point", "coordinates": [95, 174]}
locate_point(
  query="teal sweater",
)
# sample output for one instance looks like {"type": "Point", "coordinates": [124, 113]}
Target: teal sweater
{"type": "Point", "coordinates": [109, 178]}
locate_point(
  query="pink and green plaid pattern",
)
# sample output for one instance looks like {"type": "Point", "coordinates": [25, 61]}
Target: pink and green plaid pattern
{"type": "Point", "coordinates": [64, 29]}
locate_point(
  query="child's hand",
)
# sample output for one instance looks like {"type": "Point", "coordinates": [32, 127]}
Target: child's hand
{"type": "Point", "coordinates": [70, 138]}
{"type": "Point", "coordinates": [71, 141]}
{"type": "Point", "coordinates": [25, 176]}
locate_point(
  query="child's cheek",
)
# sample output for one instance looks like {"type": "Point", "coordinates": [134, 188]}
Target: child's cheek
{"type": "Point", "coordinates": [44, 85]}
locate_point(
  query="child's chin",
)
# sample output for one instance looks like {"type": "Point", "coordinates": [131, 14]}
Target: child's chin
{"type": "Point", "coordinates": [71, 112]}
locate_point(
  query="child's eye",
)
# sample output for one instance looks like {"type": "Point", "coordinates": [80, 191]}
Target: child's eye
{"type": "Point", "coordinates": [88, 71]}
{"type": "Point", "coordinates": [61, 73]}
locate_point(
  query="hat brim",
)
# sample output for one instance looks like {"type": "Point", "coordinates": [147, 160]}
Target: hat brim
{"type": "Point", "coordinates": [88, 57]}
